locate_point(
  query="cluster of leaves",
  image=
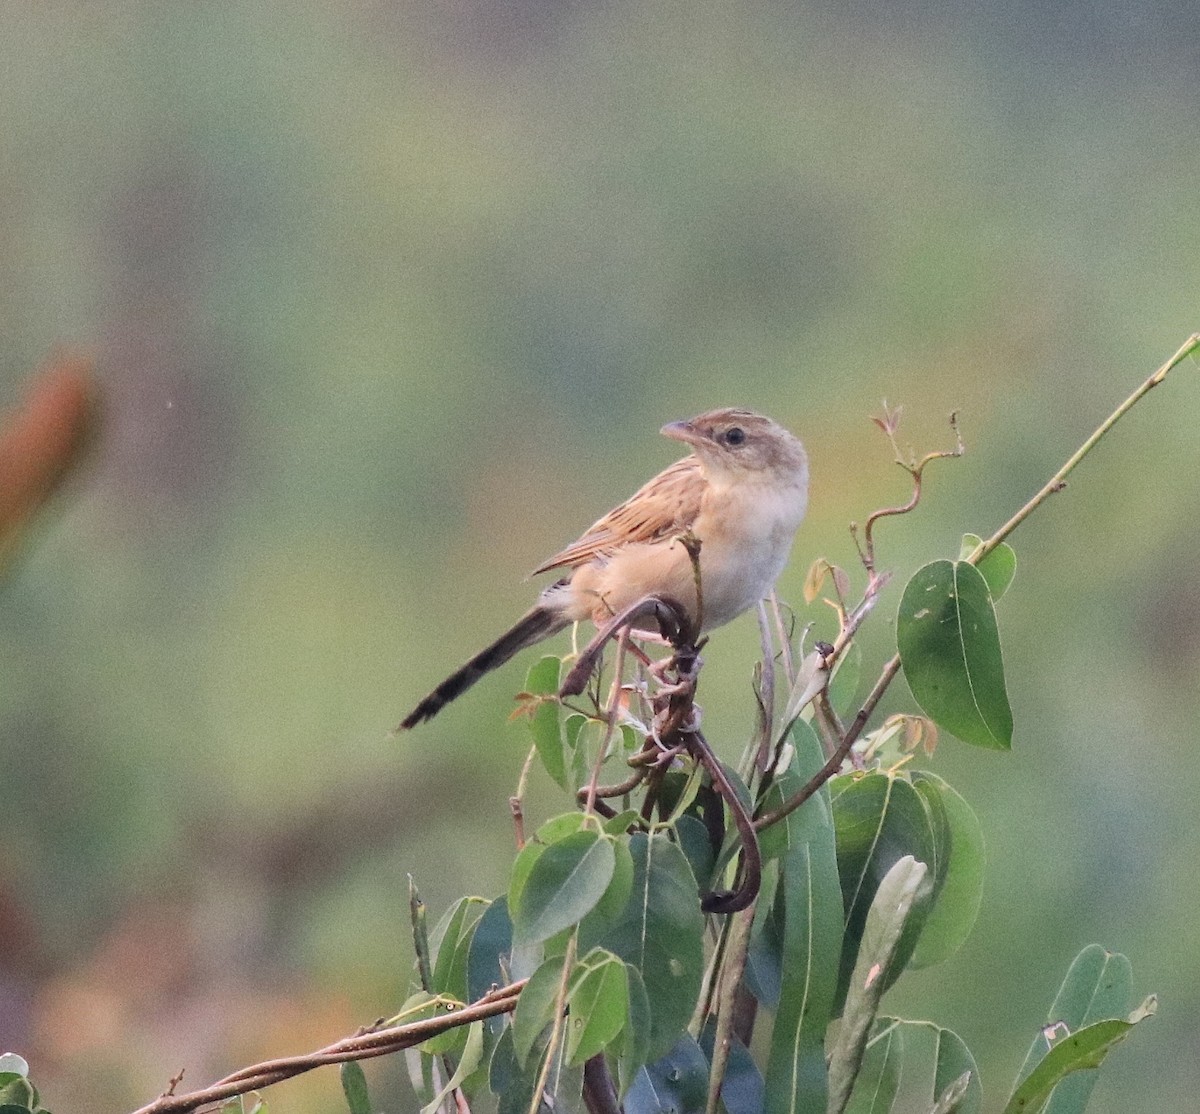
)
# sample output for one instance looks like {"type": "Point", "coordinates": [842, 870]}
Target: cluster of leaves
{"type": "Point", "coordinates": [17, 1093]}
{"type": "Point", "coordinates": [636, 1001]}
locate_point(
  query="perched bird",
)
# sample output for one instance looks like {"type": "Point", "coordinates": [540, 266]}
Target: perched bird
{"type": "Point", "coordinates": [742, 493]}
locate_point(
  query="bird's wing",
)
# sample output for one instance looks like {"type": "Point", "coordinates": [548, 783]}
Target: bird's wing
{"type": "Point", "coordinates": [665, 507]}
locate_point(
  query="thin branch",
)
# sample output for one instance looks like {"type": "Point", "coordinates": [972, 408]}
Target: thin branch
{"type": "Point", "coordinates": [1058, 480]}
{"type": "Point", "coordinates": [375, 1042]}
{"type": "Point", "coordinates": [836, 759]}
{"type": "Point", "coordinates": [1055, 483]}
{"type": "Point", "coordinates": [732, 970]}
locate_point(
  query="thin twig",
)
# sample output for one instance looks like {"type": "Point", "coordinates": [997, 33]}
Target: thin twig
{"type": "Point", "coordinates": [377, 1042]}
{"type": "Point", "coordinates": [1057, 481]}
{"type": "Point", "coordinates": [732, 970]}
{"type": "Point", "coordinates": [890, 670]}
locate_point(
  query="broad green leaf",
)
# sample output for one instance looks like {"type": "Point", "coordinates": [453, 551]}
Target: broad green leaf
{"type": "Point", "coordinates": [615, 898]}
{"type": "Point", "coordinates": [554, 829]}
{"type": "Point", "coordinates": [998, 567]}
{"type": "Point", "coordinates": [878, 1077]}
{"type": "Point", "coordinates": [561, 826]}
{"type": "Point", "coordinates": [697, 846]}
{"type": "Point", "coordinates": [584, 741]}
{"type": "Point", "coordinates": [535, 1007]}
{"type": "Point", "coordinates": [450, 944]}
{"type": "Point", "coordinates": [811, 818]}
{"type": "Point", "coordinates": [661, 933]}
{"type": "Point", "coordinates": [677, 1083]}
{"type": "Point", "coordinates": [953, 1098]}
{"type": "Point", "coordinates": [764, 961]}
{"type": "Point", "coordinates": [879, 819]}
{"type": "Point", "coordinates": [960, 890]}
{"type": "Point", "coordinates": [894, 900]}
{"type": "Point", "coordinates": [843, 685]}
{"type": "Point", "coordinates": [1098, 986]}
{"type": "Point", "coordinates": [598, 1001]}
{"type": "Point", "coordinates": [623, 822]}
{"type": "Point", "coordinates": [544, 724]}
{"type": "Point", "coordinates": [950, 649]}
{"type": "Point", "coordinates": [564, 884]}
{"type": "Point", "coordinates": [506, 1079]}
{"type": "Point", "coordinates": [811, 903]}
{"type": "Point", "coordinates": [1081, 1050]}
{"type": "Point", "coordinates": [17, 1092]}
{"type": "Point", "coordinates": [636, 1044]}
{"type": "Point", "coordinates": [468, 1062]}
{"type": "Point", "coordinates": [953, 1060]}
{"type": "Point", "coordinates": [487, 957]}
{"type": "Point", "coordinates": [354, 1087]}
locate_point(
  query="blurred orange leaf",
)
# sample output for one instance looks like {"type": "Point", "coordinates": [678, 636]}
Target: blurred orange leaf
{"type": "Point", "coordinates": [42, 440]}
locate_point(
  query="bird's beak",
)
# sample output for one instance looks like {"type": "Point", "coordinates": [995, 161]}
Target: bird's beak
{"type": "Point", "coordinates": [682, 431]}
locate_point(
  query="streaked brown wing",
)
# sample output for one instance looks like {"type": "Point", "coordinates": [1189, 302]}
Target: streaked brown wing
{"type": "Point", "coordinates": [667, 505]}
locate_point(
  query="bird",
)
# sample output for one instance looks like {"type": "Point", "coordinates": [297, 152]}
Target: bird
{"type": "Point", "coordinates": [741, 493]}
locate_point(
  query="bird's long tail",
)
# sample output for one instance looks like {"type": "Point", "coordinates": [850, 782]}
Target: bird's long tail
{"type": "Point", "coordinates": [541, 622]}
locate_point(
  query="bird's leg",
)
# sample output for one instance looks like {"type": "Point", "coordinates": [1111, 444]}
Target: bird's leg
{"type": "Point", "coordinates": [669, 614]}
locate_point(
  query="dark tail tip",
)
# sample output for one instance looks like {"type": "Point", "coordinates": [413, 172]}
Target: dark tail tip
{"type": "Point", "coordinates": [532, 627]}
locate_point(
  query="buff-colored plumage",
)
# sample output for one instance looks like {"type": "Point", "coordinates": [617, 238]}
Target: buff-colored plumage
{"type": "Point", "coordinates": [742, 493]}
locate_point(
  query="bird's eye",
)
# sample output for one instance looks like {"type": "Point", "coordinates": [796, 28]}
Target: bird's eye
{"type": "Point", "coordinates": [734, 437]}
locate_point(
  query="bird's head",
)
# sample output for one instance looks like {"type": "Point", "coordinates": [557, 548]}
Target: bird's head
{"type": "Point", "coordinates": [739, 444]}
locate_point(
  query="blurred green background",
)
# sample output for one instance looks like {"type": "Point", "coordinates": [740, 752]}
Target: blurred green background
{"type": "Point", "coordinates": [389, 302]}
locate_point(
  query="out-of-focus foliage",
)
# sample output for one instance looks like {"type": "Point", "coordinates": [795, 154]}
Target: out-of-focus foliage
{"type": "Point", "coordinates": [388, 301]}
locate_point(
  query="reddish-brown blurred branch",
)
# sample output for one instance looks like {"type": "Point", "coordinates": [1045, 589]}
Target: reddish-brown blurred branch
{"type": "Point", "coordinates": [42, 440]}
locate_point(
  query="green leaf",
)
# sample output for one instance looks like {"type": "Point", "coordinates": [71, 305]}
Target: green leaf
{"type": "Point", "coordinates": [952, 1099]}
{"type": "Point", "coordinates": [878, 1077]}
{"type": "Point", "coordinates": [950, 648]}
{"type": "Point", "coordinates": [565, 883]}
{"type": "Point", "coordinates": [623, 822]}
{"type": "Point", "coordinates": [660, 933]}
{"type": "Point", "coordinates": [615, 898]}
{"type": "Point", "coordinates": [535, 1007]}
{"type": "Point", "coordinates": [811, 902]}
{"type": "Point", "coordinates": [813, 817]}
{"type": "Point", "coordinates": [488, 953]}
{"type": "Point", "coordinates": [1083, 1049]}
{"type": "Point", "coordinates": [764, 961]}
{"type": "Point", "coordinates": [451, 944]}
{"type": "Point", "coordinates": [544, 724]}
{"type": "Point", "coordinates": [17, 1092]}
{"type": "Point", "coordinates": [598, 1001]}
{"type": "Point", "coordinates": [893, 902]}
{"type": "Point", "coordinates": [635, 1048]}
{"type": "Point", "coordinates": [677, 1083]}
{"type": "Point", "coordinates": [879, 819]}
{"type": "Point", "coordinates": [960, 866]}
{"type": "Point", "coordinates": [953, 1060]}
{"type": "Point", "coordinates": [471, 1056]}
{"type": "Point", "coordinates": [697, 846]}
{"type": "Point", "coordinates": [507, 1080]}
{"type": "Point", "coordinates": [354, 1087]}
{"type": "Point", "coordinates": [552, 830]}
{"type": "Point", "coordinates": [998, 567]}
{"type": "Point", "coordinates": [843, 685]}
{"type": "Point", "coordinates": [1098, 986]}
